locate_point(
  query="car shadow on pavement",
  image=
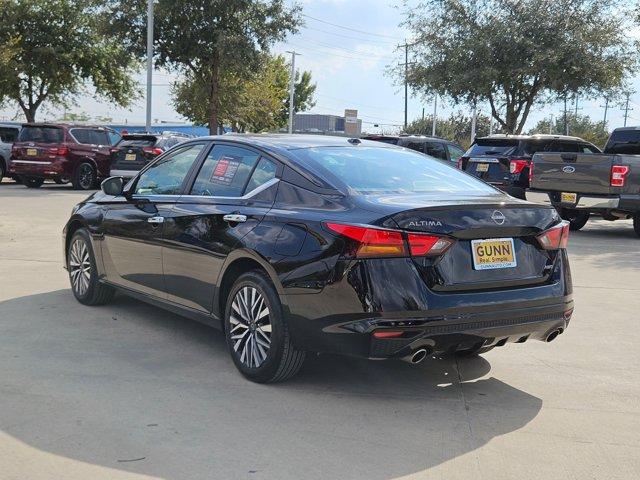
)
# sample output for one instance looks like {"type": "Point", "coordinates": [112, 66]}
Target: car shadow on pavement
{"type": "Point", "coordinates": [131, 387]}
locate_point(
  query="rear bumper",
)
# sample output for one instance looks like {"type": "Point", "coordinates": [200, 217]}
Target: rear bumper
{"type": "Point", "coordinates": [39, 168]}
{"type": "Point", "coordinates": [584, 201]}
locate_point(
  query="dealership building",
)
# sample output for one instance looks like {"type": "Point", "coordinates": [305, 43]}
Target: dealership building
{"type": "Point", "coordinates": [348, 124]}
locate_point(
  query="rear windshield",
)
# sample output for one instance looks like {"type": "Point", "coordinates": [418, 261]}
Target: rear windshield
{"type": "Point", "coordinates": [624, 141]}
{"type": "Point", "coordinates": [8, 134]}
{"type": "Point", "coordinates": [494, 146]}
{"type": "Point", "coordinates": [389, 140]}
{"type": "Point", "coordinates": [41, 134]}
{"type": "Point", "coordinates": [138, 142]}
{"type": "Point", "coordinates": [365, 170]}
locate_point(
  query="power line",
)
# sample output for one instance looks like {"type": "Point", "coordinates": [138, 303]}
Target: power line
{"type": "Point", "coordinates": [336, 55]}
{"type": "Point", "coordinates": [348, 50]}
{"type": "Point", "coordinates": [382, 42]}
{"type": "Point", "coordinates": [351, 29]}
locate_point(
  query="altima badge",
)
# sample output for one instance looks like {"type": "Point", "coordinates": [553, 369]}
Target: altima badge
{"type": "Point", "coordinates": [498, 217]}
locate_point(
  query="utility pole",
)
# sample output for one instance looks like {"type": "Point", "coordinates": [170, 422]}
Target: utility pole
{"type": "Point", "coordinates": [566, 124]}
{"type": "Point", "coordinates": [576, 100]}
{"type": "Point", "coordinates": [423, 114]}
{"type": "Point", "coordinates": [435, 115]}
{"type": "Point", "coordinates": [550, 124]}
{"type": "Point", "coordinates": [627, 109]}
{"type": "Point", "coordinates": [406, 82]}
{"type": "Point", "coordinates": [606, 108]}
{"type": "Point", "coordinates": [474, 117]}
{"type": "Point", "coordinates": [292, 87]}
{"type": "Point", "coordinates": [149, 61]}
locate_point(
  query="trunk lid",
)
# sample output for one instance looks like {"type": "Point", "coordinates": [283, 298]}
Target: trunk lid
{"type": "Point", "coordinates": [573, 172]}
{"type": "Point", "coordinates": [488, 222]}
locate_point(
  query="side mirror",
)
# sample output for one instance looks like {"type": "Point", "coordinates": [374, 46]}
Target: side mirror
{"type": "Point", "coordinates": [113, 186]}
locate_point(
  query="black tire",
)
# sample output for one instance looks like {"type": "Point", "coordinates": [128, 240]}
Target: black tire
{"type": "Point", "coordinates": [32, 182]}
{"type": "Point", "coordinates": [3, 169]}
{"type": "Point", "coordinates": [636, 223]}
{"type": "Point", "coordinates": [92, 292]}
{"type": "Point", "coordinates": [473, 352]}
{"type": "Point", "coordinates": [281, 360]}
{"type": "Point", "coordinates": [576, 218]}
{"type": "Point", "coordinates": [84, 178]}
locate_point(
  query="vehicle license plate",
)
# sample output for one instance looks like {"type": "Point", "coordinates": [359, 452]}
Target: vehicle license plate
{"type": "Point", "coordinates": [130, 156]}
{"type": "Point", "coordinates": [493, 253]}
{"type": "Point", "coordinates": [568, 197]}
{"type": "Point", "coordinates": [32, 152]}
{"type": "Point", "coordinates": [482, 167]}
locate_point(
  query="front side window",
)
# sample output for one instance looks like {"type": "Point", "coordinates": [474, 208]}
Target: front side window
{"type": "Point", "coordinates": [454, 152]}
{"type": "Point", "coordinates": [225, 172]}
{"type": "Point", "coordinates": [165, 177]}
{"type": "Point", "coordinates": [114, 137]}
{"type": "Point", "coordinates": [371, 170]}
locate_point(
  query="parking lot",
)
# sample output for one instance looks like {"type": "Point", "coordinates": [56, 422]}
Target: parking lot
{"type": "Point", "coordinates": [131, 391]}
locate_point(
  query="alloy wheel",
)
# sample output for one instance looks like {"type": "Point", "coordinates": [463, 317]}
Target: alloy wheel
{"type": "Point", "coordinates": [86, 176]}
{"type": "Point", "coordinates": [79, 267]}
{"type": "Point", "coordinates": [250, 327]}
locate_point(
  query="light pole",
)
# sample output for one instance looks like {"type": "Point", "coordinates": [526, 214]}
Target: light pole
{"type": "Point", "coordinates": [292, 88]}
{"type": "Point", "coordinates": [149, 61]}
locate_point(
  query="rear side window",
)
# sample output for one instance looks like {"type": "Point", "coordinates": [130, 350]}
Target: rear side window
{"type": "Point", "coordinates": [454, 152]}
{"type": "Point", "coordinates": [82, 135]}
{"type": "Point", "coordinates": [8, 134]}
{"type": "Point", "coordinates": [436, 149]}
{"type": "Point", "coordinates": [493, 146]}
{"type": "Point", "coordinates": [41, 134]}
{"type": "Point", "coordinates": [368, 170]}
{"type": "Point", "coordinates": [417, 146]}
{"type": "Point", "coordinates": [264, 171]}
{"type": "Point", "coordinates": [225, 172]}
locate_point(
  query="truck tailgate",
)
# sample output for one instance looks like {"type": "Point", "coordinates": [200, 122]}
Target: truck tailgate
{"type": "Point", "coordinates": [573, 172]}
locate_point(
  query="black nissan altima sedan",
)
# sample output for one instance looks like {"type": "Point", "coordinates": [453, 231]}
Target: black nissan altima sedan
{"type": "Point", "coordinates": [295, 244]}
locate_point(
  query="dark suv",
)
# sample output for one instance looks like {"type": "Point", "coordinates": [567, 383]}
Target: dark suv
{"type": "Point", "coordinates": [135, 150]}
{"type": "Point", "coordinates": [80, 154]}
{"type": "Point", "coordinates": [434, 146]}
{"type": "Point", "coordinates": [504, 160]}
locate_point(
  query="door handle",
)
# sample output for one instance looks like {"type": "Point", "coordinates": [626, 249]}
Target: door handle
{"type": "Point", "coordinates": [235, 218]}
{"type": "Point", "coordinates": [155, 220]}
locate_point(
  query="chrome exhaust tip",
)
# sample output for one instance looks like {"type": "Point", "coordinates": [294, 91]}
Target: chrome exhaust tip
{"type": "Point", "coordinates": [417, 356]}
{"type": "Point", "coordinates": [553, 335]}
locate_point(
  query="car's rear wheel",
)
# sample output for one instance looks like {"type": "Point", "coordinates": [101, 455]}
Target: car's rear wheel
{"type": "Point", "coordinates": [257, 333]}
{"type": "Point", "coordinates": [83, 274]}
{"type": "Point", "coordinates": [576, 218]}
{"type": "Point", "coordinates": [84, 178]}
{"type": "Point", "coordinates": [32, 182]}
{"type": "Point", "coordinates": [636, 223]}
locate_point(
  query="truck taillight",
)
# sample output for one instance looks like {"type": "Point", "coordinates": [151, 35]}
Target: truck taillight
{"type": "Point", "coordinates": [619, 175]}
{"type": "Point", "coordinates": [530, 173]}
{"type": "Point", "coordinates": [516, 165]}
{"type": "Point", "coordinates": [60, 151]}
{"type": "Point", "coordinates": [555, 238]}
{"type": "Point", "coordinates": [380, 242]}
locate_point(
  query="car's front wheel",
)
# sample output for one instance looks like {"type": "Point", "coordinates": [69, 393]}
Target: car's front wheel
{"type": "Point", "coordinates": [83, 274]}
{"type": "Point", "coordinates": [257, 332]}
{"type": "Point", "coordinates": [576, 218]}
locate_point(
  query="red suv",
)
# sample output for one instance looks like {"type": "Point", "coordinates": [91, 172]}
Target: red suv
{"type": "Point", "coordinates": [80, 154]}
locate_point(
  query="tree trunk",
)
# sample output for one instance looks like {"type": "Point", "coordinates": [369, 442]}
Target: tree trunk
{"type": "Point", "coordinates": [214, 99]}
{"type": "Point", "coordinates": [29, 113]}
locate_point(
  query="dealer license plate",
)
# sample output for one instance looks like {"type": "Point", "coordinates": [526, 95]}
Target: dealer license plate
{"type": "Point", "coordinates": [493, 253]}
{"type": "Point", "coordinates": [482, 167]}
{"type": "Point", "coordinates": [568, 197]}
{"type": "Point", "coordinates": [32, 152]}
{"type": "Point", "coordinates": [130, 156]}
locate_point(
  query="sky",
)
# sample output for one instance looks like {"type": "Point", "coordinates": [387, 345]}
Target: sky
{"type": "Point", "coordinates": [348, 46]}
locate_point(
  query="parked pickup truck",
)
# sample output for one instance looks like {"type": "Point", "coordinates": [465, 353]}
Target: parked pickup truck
{"type": "Point", "coordinates": [579, 184]}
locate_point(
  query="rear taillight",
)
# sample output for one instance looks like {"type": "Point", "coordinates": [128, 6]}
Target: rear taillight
{"type": "Point", "coordinates": [379, 242]}
{"type": "Point", "coordinates": [61, 151]}
{"type": "Point", "coordinates": [619, 175]}
{"type": "Point", "coordinates": [152, 150]}
{"type": "Point", "coordinates": [461, 161]}
{"type": "Point", "coordinates": [555, 238]}
{"type": "Point", "coordinates": [530, 173]}
{"type": "Point", "coordinates": [516, 165]}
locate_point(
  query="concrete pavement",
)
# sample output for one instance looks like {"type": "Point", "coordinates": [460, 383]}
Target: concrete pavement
{"type": "Point", "coordinates": [129, 391]}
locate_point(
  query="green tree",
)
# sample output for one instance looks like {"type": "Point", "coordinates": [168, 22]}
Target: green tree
{"type": "Point", "coordinates": [51, 50]}
{"type": "Point", "coordinates": [515, 54]}
{"type": "Point", "coordinates": [456, 127]}
{"type": "Point", "coordinates": [255, 102]}
{"type": "Point", "coordinates": [207, 40]}
{"type": "Point", "coordinates": [579, 126]}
